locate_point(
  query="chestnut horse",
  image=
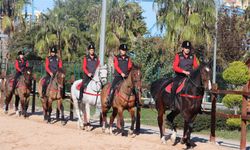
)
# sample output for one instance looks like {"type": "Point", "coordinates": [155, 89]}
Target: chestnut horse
{"type": "Point", "coordinates": [22, 91]}
{"type": "Point", "coordinates": [53, 93]}
{"type": "Point", "coordinates": [188, 102]}
{"type": "Point", "coordinates": [125, 96]}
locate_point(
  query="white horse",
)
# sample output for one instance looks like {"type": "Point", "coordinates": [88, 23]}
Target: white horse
{"type": "Point", "coordinates": [91, 96]}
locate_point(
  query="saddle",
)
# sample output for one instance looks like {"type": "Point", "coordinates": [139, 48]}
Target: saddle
{"type": "Point", "coordinates": [179, 89]}
{"type": "Point", "coordinates": [11, 82]}
{"type": "Point", "coordinates": [78, 86]}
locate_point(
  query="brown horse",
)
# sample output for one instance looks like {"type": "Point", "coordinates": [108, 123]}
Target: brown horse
{"type": "Point", "coordinates": [188, 102]}
{"type": "Point", "coordinates": [53, 92]}
{"type": "Point", "coordinates": [22, 91]}
{"type": "Point", "coordinates": [124, 98]}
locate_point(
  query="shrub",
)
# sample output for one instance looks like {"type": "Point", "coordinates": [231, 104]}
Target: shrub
{"type": "Point", "coordinates": [237, 73]}
{"type": "Point", "coordinates": [202, 122]}
{"type": "Point", "coordinates": [231, 100]}
{"type": "Point", "coordinates": [234, 123]}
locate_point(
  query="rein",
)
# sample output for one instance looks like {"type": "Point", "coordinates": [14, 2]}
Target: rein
{"type": "Point", "coordinates": [193, 96]}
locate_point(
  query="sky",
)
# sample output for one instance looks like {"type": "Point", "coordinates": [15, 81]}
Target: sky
{"type": "Point", "coordinates": [149, 12]}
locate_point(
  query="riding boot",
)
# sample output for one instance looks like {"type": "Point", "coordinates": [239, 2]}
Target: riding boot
{"type": "Point", "coordinates": [81, 94]}
{"type": "Point", "coordinates": [172, 105]}
{"type": "Point", "coordinates": [110, 98]}
{"type": "Point", "coordinates": [44, 87]}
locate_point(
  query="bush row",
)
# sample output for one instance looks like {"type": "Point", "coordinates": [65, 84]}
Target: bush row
{"type": "Point", "coordinates": [203, 122]}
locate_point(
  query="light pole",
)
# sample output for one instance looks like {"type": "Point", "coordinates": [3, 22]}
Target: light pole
{"type": "Point", "coordinates": [102, 36]}
{"type": "Point", "coordinates": [217, 6]}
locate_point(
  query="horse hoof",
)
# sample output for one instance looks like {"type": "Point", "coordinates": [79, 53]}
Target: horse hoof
{"type": "Point", "coordinates": [63, 123]}
{"type": "Point", "coordinates": [183, 141]}
{"type": "Point", "coordinates": [49, 121]}
{"type": "Point", "coordinates": [173, 137]}
{"type": "Point", "coordinates": [163, 140]}
{"type": "Point", "coordinates": [133, 135]}
{"type": "Point", "coordinates": [17, 113]}
{"type": "Point", "coordinates": [130, 132]}
{"type": "Point", "coordinates": [189, 147]}
{"type": "Point", "coordinates": [103, 130]}
{"type": "Point", "coordinates": [5, 112]}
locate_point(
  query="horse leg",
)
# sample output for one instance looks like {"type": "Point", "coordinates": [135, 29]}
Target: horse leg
{"type": "Point", "coordinates": [161, 126]}
{"type": "Point", "coordinates": [188, 134]}
{"type": "Point", "coordinates": [104, 120]}
{"type": "Point", "coordinates": [49, 110]}
{"type": "Point", "coordinates": [26, 106]}
{"type": "Point", "coordinates": [120, 123]}
{"type": "Point", "coordinates": [112, 118]}
{"type": "Point", "coordinates": [132, 115]}
{"type": "Point", "coordinates": [7, 102]}
{"type": "Point", "coordinates": [87, 114]}
{"type": "Point", "coordinates": [61, 109]}
{"type": "Point", "coordinates": [170, 120]}
{"type": "Point", "coordinates": [45, 109]}
{"type": "Point", "coordinates": [78, 109]}
{"type": "Point", "coordinates": [17, 99]}
{"type": "Point", "coordinates": [184, 137]}
{"type": "Point", "coordinates": [22, 105]}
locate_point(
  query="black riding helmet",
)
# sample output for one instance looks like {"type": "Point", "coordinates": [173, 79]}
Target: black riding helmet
{"type": "Point", "coordinates": [53, 49]}
{"type": "Point", "coordinates": [20, 53]}
{"type": "Point", "coordinates": [123, 47]}
{"type": "Point", "coordinates": [91, 46]}
{"type": "Point", "coordinates": [186, 44]}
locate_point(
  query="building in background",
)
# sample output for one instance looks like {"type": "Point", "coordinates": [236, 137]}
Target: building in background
{"type": "Point", "coordinates": [242, 4]}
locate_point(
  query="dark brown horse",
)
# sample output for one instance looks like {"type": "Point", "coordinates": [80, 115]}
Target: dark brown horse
{"type": "Point", "coordinates": [124, 99]}
{"type": "Point", "coordinates": [188, 102]}
{"type": "Point", "coordinates": [22, 91]}
{"type": "Point", "coordinates": [53, 93]}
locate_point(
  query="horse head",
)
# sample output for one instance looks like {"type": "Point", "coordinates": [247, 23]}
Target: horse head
{"type": "Point", "coordinates": [27, 73]}
{"type": "Point", "coordinates": [136, 76]}
{"type": "Point", "coordinates": [203, 74]}
{"type": "Point", "coordinates": [206, 76]}
{"type": "Point", "coordinates": [101, 74]}
{"type": "Point", "coordinates": [60, 77]}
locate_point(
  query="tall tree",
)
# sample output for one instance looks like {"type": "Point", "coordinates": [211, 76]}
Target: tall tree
{"type": "Point", "coordinates": [187, 20]}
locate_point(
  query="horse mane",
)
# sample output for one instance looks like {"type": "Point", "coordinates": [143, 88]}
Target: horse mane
{"type": "Point", "coordinates": [60, 70]}
{"type": "Point", "coordinates": [196, 72]}
{"type": "Point", "coordinates": [136, 67]}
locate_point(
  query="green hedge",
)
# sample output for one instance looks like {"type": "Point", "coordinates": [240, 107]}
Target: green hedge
{"type": "Point", "coordinates": [234, 123]}
{"type": "Point", "coordinates": [203, 122]}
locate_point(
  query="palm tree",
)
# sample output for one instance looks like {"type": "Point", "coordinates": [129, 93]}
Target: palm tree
{"type": "Point", "coordinates": [187, 20]}
{"type": "Point", "coordinates": [11, 12]}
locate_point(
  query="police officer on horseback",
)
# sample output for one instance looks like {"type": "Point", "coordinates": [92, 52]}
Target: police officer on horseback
{"type": "Point", "coordinates": [184, 63]}
{"type": "Point", "coordinates": [122, 65]}
{"type": "Point", "coordinates": [52, 64]}
{"type": "Point", "coordinates": [20, 64]}
{"type": "Point", "coordinates": [90, 63]}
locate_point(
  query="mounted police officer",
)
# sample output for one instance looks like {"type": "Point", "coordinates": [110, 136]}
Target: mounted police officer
{"type": "Point", "coordinates": [20, 64]}
{"type": "Point", "coordinates": [90, 63]}
{"type": "Point", "coordinates": [52, 64]}
{"type": "Point", "coordinates": [184, 63]}
{"type": "Point", "coordinates": [122, 65]}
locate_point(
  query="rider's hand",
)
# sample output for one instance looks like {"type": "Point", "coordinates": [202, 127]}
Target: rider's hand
{"type": "Point", "coordinates": [90, 75]}
{"type": "Point", "coordinates": [186, 73]}
{"type": "Point", "coordinates": [123, 75]}
{"type": "Point", "coordinates": [51, 74]}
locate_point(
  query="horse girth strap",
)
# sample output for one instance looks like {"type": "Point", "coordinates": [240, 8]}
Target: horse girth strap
{"type": "Point", "coordinates": [125, 99]}
{"type": "Point", "coordinates": [197, 97]}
